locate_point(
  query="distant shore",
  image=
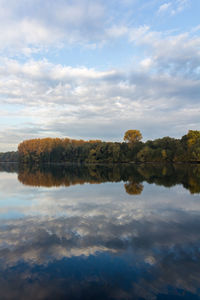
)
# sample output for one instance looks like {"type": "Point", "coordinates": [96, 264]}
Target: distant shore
{"type": "Point", "coordinates": [132, 150]}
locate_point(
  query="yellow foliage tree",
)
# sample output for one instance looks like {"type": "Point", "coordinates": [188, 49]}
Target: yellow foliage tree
{"type": "Point", "coordinates": [193, 137]}
{"type": "Point", "coordinates": [132, 136]}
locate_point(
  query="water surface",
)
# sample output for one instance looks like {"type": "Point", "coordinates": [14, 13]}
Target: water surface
{"type": "Point", "coordinates": [100, 232]}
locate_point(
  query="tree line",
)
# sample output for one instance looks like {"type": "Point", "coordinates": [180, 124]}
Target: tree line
{"type": "Point", "coordinates": [166, 149]}
{"type": "Point", "coordinates": [56, 150]}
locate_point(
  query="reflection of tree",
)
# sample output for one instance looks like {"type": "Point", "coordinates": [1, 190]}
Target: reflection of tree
{"type": "Point", "coordinates": [167, 175]}
{"type": "Point", "coordinates": [133, 188]}
{"type": "Point", "coordinates": [77, 175]}
{"type": "Point", "coordinates": [49, 179]}
{"type": "Point", "coordinates": [38, 178]}
{"type": "Point", "coordinates": [9, 167]}
{"type": "Point", "coordinates": [194, 187]}
{"type": "Point", "coordinates": [66, 175]}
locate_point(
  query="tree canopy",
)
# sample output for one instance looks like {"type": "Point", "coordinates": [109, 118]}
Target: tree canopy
{"type": "Point", "coordinates": [55, 150]}
{"type": "Point", "coordinates": [132, 136]}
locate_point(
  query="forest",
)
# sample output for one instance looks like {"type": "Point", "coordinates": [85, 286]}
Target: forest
{"type": "Point", "coordinates": [132, 149]}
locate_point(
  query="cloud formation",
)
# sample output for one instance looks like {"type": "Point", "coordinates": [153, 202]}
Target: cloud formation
{"type": "Point", "coordinates": [174, 7]}
{"type": "Point", "coordinates": [80, 102]}
{"type": "Point", "coordinates": [41, 23]}
{"type": "Point", "coordinates": [84, 69]}
{"type": "Point", "coordinates": [96, 236]}
{"type": "Point", "coordinates": [162, 242]}
{"type": "Point", "coordinates": [164, 7]}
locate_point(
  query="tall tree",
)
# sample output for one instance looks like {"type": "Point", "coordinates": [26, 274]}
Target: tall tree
{"type": "Point", "coordinates": [132, 136]}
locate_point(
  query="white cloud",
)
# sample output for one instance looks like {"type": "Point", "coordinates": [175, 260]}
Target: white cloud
{"type": "Point", "coordinates": [37, 26]}
{"type": "Point", "coordinates": [136, 34]}
{"type": "Point", "coordinates": [49, 23]}
{"type": "Point", "coordinates": [117, 31]}
{"type": "Point", "coordinates": [55, 99]}
{"type": "Point", "coordinates": [164, 7]}
{"type": "Point", "coordinates": [177, 53]}
{"type": "Point", "coordinates": [174, 7]}
{"type": "Point", "coordinates": [146, 63]}
{"type": "Point", "coordinates": [80, 102]}
{"type": "Point", "coordinates": [181, 5]}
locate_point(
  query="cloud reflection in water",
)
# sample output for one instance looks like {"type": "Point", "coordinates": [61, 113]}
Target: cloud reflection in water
{"type": "Point", "coordinates": [97, 242]}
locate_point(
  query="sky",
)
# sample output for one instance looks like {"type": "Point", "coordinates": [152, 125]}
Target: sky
{"type": "Point", "coordinates": [92, 69]}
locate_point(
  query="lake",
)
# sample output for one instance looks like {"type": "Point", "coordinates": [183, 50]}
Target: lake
{"type": "Point", "coordinates": [100, 232]}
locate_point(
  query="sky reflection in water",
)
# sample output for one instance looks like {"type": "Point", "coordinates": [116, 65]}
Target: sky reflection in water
{"type": "Point", "coordinates": [60, 239]}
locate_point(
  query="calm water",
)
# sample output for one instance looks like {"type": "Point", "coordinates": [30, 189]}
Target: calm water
{"type": "Point", "coordinates": [96, 232]}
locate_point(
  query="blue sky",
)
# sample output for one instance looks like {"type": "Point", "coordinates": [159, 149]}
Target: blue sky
{"type": "Point", "coordinates": [93, 69]}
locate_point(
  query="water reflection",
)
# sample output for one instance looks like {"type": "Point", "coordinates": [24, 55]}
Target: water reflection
{"type": "Point", "coordinates": [97, 242]}
{"type": "Point", "coordinates": [166, 175]}
{"type": "Point", "coordinates": [133, 188]}
{"type": "Point", "coordinates": [135, 259]}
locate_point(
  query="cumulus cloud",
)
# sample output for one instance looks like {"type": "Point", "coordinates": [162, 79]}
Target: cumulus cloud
{"type": "Point", "coordinates": [43, 23]}
{"type": "Point", "coordinates": [34, 26]}
{"type": "Point", "coordinates": [40, 97]}
{"type": "Point", "coordinates": [52, 99]}
{"type": "Point", "coordinates": [170, 53]}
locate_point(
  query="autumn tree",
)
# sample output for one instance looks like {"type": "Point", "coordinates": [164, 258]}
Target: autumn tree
{"type": "Point", "coordinates": [132, 136]}
{"type": "Point", "coordinates": [193, 143]}
{"type": "Point", "coordinates": [193, 137]}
